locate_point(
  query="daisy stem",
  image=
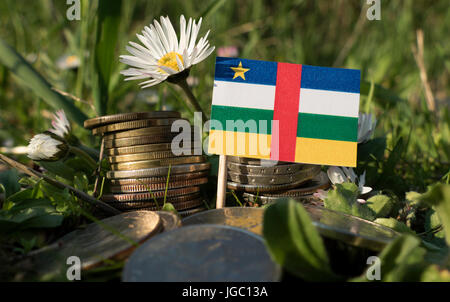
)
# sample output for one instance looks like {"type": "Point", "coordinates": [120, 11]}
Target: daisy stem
{"type": "Point", "coordinates": [83, 155]}
{"type": "Point", "coordinates": [184, 85]}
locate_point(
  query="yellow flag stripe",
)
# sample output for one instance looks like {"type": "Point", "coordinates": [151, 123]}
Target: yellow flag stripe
{"type": "Point", "coordinates": [239, 144]}
{"type": "Point", "coordinates": [326, 152]}
{"type": "Point", "coordinates": [308, 150]}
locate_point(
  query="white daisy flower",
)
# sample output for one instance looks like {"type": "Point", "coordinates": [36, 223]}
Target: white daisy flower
{"type": "Point", "coordinates": [45, 147]}
{"type": "Point", "coordinates": [68, 62]}
{"type": "Point", "coordinates": [162, 54]}
{"type": "Point", "coordinates": [60, 123]}
{"type": "Point", "coordinates": [366, 127]}
{"type": "Point", "coordinates": [338, 175]}
{"type": "Point", "coordinates": [361, 182]}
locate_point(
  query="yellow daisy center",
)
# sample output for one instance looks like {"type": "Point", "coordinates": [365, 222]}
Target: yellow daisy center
{"type": "Point", "coordinates": [71, 59]}
{"type": "Point", "coordinates": [170, 60]}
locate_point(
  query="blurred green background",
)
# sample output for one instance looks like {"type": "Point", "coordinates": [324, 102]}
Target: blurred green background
{"type": "Point", "coordinates": [414, 137]}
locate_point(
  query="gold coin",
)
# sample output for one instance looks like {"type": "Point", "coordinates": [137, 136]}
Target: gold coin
{"type": "Point", "coordinates": [140, 156]}
{"type": "Point", "coordinates": [158, 186]}
{"type": "Point", "coordinates": [149, 195]}
{"type": "Point", "coordinates": [138, 149]}
{"type": "Point", "coordinates": [170, 221]}
{"type": "Point", "coordinates": [144, 164]}
{"type": "Point", "coordinates": [158, 179]}
{"type": "Point", "coordinates": [148, 156]}
{"type": "Point", "coordinates": [141, 140]}
{"type": "Point", "coordinates": [142, 132]}
{"type": "Point", "coordinates": [134, 125]}
{"type": "Point", "coordinates": [125, 117]}
{"type": "Point", "coordinates": [149, 131]}
{"type": "Point", "coordinates": [150, 148]}
{"type": "Point", "coordinates": [95, 243]}
{"type": "Point", "coordinates": [159, 171]}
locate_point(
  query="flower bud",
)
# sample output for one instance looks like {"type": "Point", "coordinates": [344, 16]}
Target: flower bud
{"type": "Point", "coordinates": [47, 147]}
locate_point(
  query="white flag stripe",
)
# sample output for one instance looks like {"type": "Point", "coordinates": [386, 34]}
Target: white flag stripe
{"type": "Point", "coordinates": [329, 102]}
{"type": "Point", "coordinates": [243, 95]}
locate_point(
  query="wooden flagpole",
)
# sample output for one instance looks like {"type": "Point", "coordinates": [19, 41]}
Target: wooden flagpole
{"type": "Point", "coordinates": [221, 182]}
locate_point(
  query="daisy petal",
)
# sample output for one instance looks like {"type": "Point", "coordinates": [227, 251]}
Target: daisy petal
{"type": "Point", "coordinates": [336, 175]}
{"type": "Point", "coordinates": [365, 190]}
{"type": "Point", "coordinates": [182, 43]}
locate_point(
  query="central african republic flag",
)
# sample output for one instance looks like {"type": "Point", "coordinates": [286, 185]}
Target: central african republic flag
{"type": "Point", "coordinates": [287, 112]}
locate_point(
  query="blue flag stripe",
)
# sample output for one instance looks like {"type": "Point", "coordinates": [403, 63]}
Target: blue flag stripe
{"type": "Point", "coordinates": [265, 73]}
{"type": "Point", "coordinates": [260, 72]}
{"type": "Point", "coordinates": [327, 78]}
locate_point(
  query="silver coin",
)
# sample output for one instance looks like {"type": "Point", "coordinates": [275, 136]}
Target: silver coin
{"type": "Point", "coordinates": [303, 175]}
{"type": "Point", "coordinates": [135, 188]}
{"type": "Point", "coordinates": [180, 206]}
{"type": "Point", "coordinates": [263, 199]}
{"type": "Point", "coordinates": [321, 181]}
{"type": "Point", "coordinates": [262, 188]}
{"type": "Point", "coordinates": [250, 219]}
{"type": "Point", "coordinates": [144, 196]}
{"type": "Point", "coordinates": [202, 253]}
{"type": "Point", "coordinates": [145, 203]}
{"type": "Point", "coordinates": [262, 170]}
{"type": "Point", "coordinates": [350, 229]}
{"type": "Point", "coordinates": [256, 161]}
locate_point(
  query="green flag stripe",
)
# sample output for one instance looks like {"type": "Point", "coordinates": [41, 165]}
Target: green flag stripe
{"type": "Point", "coordinates": [309, 125]}
{"type": "Point", "coordinates": [242, 119]}
{"type": "Point", "coordinates": [339, 128]}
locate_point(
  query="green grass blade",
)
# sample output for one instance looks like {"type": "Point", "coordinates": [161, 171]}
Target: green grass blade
{"type": "Point", "coordinates": [167, 185]}
{"type": "Point", "coordinates": [211, 8]}
{"type": "Point", "coordinates": [385, 96]}
{"type": "Point", "coordinates": [236, 198]}
{"type": "Point", "coordinates": [108, 23]}
{"type": "Point", "coordinates": [33, 80]}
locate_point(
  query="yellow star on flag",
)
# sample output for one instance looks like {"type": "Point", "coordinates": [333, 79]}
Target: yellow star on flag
{"type": "Point", "coordinates": [239, 71]}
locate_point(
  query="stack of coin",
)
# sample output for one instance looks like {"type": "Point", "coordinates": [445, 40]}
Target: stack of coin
{"type": "Point", "coordinates": [145, 172]}
{"type": "Point", "coordinates": [264, 181]}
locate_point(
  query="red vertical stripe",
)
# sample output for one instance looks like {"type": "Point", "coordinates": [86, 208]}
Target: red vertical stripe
{"type": "Point", "coordinates": [287, 100]}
